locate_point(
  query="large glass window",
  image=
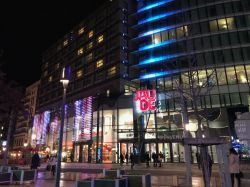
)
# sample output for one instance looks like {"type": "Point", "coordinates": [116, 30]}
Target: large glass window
{"type": "Point", "coordinates": [213, 25]}
{"type": "Point", "coordinates": [221, 76]}
{"type": "Point", "coordinates": [149, 121]}
{"type": "Point", "coordinates": [126, 123]}
{"type": "Point", "coordinates": [168, 83]}
{"type": "Point", "coordinates": [231, 78]}
{"type": "Point", "coordinates": [164, 35]}
{"type": "Point", "coordinates": [157, 38]}
{"type": "Point", "coordinates": [235, 98]}
{"type": "Point", "coordinates": [248, 72]}
{"type": "Point", "coordinates": [230, 23]}
{"type": "Point", "coordinates": [241, 75]}
{"type": "Point", "coordinates": [237, 55]}
{"type": "Point", "coordinates": [222, 24]}
{"type": "Point", "coordinates": [112, 71]}
{"type": "Point", "coordinates": [215, 101]}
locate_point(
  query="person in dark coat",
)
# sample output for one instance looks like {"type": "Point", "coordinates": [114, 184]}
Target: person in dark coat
{"type": "Point", "coordinates": [35, 161]}
{"type": "Point", "coordinates": [121, 159]}
{"type": "Point", "coordinates": [147, 159]}
{"type": "Point", "coordinates": [132, 160]}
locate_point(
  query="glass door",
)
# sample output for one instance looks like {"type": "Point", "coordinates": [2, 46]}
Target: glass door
{"type": "Point", "coordinates": [85, 153]}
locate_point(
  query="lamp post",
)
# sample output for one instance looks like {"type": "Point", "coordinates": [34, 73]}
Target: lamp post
{"type": "Point", "coordinates": [65, 81]}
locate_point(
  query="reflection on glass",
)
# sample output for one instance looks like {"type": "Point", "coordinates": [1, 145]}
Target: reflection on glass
{"type": "Point", "coordinates": [231, 75]}
{"type": "Point", "coordinates": [222, 24]}
{"type": "Point", "coordinates": [221, 76]}
{"type": "Point", "coordinates": [241, 75]}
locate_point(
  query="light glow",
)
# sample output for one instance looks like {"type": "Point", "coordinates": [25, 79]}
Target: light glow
{"type": "Point", "coordinates": [154, 31]}
{"type": "Point", "coordinates": [158, 17]}
{"type": "Point", "coordinates": [157, 59]}
{"type": "Point", "coordinates": [154, 5]}
{"type": "Point", "coordinates": [151, 46]}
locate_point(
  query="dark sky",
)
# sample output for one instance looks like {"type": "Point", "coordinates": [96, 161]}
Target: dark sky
{"type": "Point", "coordinates": [27, 28]}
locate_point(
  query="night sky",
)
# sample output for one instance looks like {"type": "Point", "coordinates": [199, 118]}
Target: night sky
{"type": "Point", "coordinates": [28, 28]}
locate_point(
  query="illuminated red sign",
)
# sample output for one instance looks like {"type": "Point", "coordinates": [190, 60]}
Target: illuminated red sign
{"type": "Point", "coordinates": [146, 98]}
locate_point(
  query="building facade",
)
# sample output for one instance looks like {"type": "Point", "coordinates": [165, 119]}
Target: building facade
{"type": "Point", "coordinates": [154, 46]}
{"type": "Point", "coordinates": [201, 46]}
{"type": "Point", "coordinates": [22, 134]}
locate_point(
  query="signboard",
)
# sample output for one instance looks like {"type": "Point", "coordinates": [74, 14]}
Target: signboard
{"type": "Point", "coordinates": [146, 99]}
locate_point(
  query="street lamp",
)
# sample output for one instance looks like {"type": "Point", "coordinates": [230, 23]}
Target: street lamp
{"type": "Point", "coordinates": [65, 81]}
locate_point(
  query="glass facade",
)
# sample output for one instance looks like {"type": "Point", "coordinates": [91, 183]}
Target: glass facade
{"type": "Point", "coordinates": [173, 41]}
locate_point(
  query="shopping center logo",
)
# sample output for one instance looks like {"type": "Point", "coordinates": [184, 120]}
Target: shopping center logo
{"type": "Point", "coordinates": [146, 99]}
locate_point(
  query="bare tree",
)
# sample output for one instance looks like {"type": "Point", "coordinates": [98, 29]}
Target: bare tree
{"type": "Point", "coordinates": [191, 87]}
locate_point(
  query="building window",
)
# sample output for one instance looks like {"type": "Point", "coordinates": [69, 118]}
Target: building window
{"type": "Point", "coordinates": [222, 80]}
{"type": "Point", "coordinates": [79, 73]}
{"type": "Point", "coordinates": [91, 33]}
{"type": "Point", "coordinates": [65, 42]}
{"type": "Point", "coordinates": [241, 75]}
{"type": "Point", "coordinates": [231, 75]}
{"type": "Point", "coordinates": [100, 39]}
{"type": "Point", "coordinates": [89, 57]}
{"type": "Point", "coordinates": [222, 24]}
{"type": "Point", "coordinates": [99, 63]}
{"type": "Point", "coordinates": [81, 31]}
{"type": "Point", "coordinates": [112, 71]}
{"type": "Point", "coordinates": [90, 45]}
{"type": "Point", "coordinates": [50, 78]}
{"type": "Point", "coordinates": [80, 51]}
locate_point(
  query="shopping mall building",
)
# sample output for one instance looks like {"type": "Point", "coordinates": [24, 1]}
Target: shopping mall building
{"type": "Point", "coordinates": [126, 61]}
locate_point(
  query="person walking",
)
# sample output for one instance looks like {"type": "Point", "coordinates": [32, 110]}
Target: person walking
{"type": "Point", "coordinates": [147, 159]}
{"type": "Point", "coordinates": [132, 160]}
{"type": "Point", "coordinates": [160, 158]}
{"type": "Point", "coordinates": [121, 159]}
{"type": "Point", "coordinates": [198, 157]}
{"type": "Point", "coordinates": [155, 158]}
{"type": "Point", "coordinates": [35, 161]}
{"type": "Point", "coordinates": [126, 157]}
{"type": "Point", "coordinates": [52, 163]}
{"type": "Point", "coordinates": [234, 166]}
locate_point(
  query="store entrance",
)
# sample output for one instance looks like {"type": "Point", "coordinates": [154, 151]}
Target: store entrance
{"type": "Point", "coordinates": [81, 152]}
{"type": "Point", "coordinates": [126, 148]}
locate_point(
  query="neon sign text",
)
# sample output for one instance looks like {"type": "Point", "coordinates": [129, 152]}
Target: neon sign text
{"type": "Point", "coordinates": [146, 98]}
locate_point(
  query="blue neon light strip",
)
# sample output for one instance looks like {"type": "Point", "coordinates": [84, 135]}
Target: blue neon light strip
{"type": "Point", "coordinates": [158, 17]}
{"type": "Point", "coordinates": [157, 59]}
{"type": "Point", "coordinates": [156, 31]}
{"type": "Point", "coordinates": [154, 5]}
{"type": "Point", "coordinates": [151, 46]}
{"type": "Point", "coordinates": [157, 74]}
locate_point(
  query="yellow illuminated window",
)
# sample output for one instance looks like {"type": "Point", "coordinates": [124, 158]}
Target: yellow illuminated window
{"type": "Point", "coordinates": [100, 39]}
{"type": "Point", "coordinates": [91, 33]}
{"type": "Point", "coordinates": [50, 78]}
{"type": "Point", "coordinates": [79, 73]}
{"type": "Point", "coordinates": [65, 42]}
{"type": "Point", "coordinates": [80, 51]}
{"type": "Point", "coordinates": [222, 24]}
{"type": "Point", "coordinates": [99, 63]}
{"type": "Point", "coordinates": [90, 45]}
{"type": "Point", "coordinates": [81, 31]}
{"type": "Point", "coordinates": [230, 23]}
{"type": "Point", "coordinates": [112, 71]}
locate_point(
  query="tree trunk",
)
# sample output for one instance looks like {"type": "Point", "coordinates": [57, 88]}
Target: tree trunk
{"type": "Point", "coordinates": [11, 123]}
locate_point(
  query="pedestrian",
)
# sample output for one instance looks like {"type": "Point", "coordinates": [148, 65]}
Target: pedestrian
{"type": "Point", "coordinates": [234, 166]}
{"type": "Point", "coordinates": [126, 157]}
{"type": "Point", "coordinates": [160, 158]}
{"type": "Point", "coordinates": [147, 159]}
{"type": "Point", "coordinates": [35, 161]}
{"type": "Point", "coordinates": [155, 159]}
{"type": "Point", "coordinates": [52, 164]}
{"type": "Point", "coordinates": [121, 159]}
{"type": "Point", "coordinates": [132, 160]}
{"type": "Point", "coordinates": [198, 159]}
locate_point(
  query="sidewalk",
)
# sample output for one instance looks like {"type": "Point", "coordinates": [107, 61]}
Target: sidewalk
{"type": "Point", "coordinates": [160, 176]}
